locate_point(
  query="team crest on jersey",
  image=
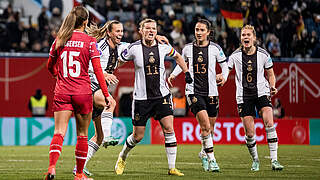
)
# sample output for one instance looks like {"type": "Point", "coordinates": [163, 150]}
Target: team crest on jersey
{"type": "Point", "coordinates": [194, 99]}
{"type": "Point", "coordinates": [151, 58]}
{"type": "Point", "coordinates": [137, 117]}
{"type": "Point", "coordinates": [200, 58]}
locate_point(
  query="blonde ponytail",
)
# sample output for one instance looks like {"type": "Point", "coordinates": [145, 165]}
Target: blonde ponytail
{"type": "Point", "coordinates": [100, 33]}
{"type": "Point", "coordinates": [96, 32]}
{"type": "Point", "coordinates": [72, 21]}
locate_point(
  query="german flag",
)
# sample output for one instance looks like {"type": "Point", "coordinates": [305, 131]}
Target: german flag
{"type": "Point", "coordinates": [231, 11]}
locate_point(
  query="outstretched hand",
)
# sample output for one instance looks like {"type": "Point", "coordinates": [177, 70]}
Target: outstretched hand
{"type": "Point", "coordinates": [110, 78]}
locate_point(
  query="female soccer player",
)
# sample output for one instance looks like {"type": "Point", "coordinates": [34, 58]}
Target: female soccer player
{"type": "Point", "coordinates": [68, 62]}
{"type": "Point", "coordinates": [151, 96]}
{"type": "Point", "coordinates": [110, 46]}
{"type": "Point", "coordinates": [202, 94]}
{"type": "Point", "coordinates": [253, 92]}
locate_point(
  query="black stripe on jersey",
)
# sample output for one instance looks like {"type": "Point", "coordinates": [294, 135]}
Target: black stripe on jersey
{"type": "Point", "coordinates": [223, 61]}
{"type": "Point", "coordinates": [151, 61]}
{"type": "Point", "coordinates": [249, 75]}
{"type": "Point", "coordinates": [200, 70]}
{"type": "Point", "coordinates": [112, 61]}
{"type": "Point", "coordinates": [103, 46]}
{"type": "Point", "coordinates": [135, 43]}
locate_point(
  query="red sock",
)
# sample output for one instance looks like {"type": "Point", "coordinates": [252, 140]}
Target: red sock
{"type": "Point", "coordinates": [81, 152]}
{"type": "Point", "coordinates": [55, 149]}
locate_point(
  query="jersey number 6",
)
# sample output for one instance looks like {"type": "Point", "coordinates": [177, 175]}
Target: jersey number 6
{"type": "Point", "coordinates": [249, 77]}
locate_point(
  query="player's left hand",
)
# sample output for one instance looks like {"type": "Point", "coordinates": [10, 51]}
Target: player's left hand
{"type": "Point", "coordinates": [110, 78]}
{"type": "Point", "coordinates": [273, 91]}
{"type": "Point", "coordinates": [162, 39]}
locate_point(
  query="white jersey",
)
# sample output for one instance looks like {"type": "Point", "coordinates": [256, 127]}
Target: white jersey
{"type": "Point", "coordinates": [250, 78]}
{"type": "Point", "coordinates": [202, 67]}
{"type": "Point", "coordinates": [108, 58]}
{"type": "Point", "coordinates": [150, 79]}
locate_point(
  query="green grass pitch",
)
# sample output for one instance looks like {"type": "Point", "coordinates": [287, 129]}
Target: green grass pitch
{"type": "Point", "coordinates": [149, 162]}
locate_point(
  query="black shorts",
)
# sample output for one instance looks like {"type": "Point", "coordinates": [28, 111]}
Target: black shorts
{"type": "Point", "coordinates": [96, 110]}
{"type": "Point", "coordinates": [249, 106]}
{"type": "Point", "coordinates": [208, 103]}
{"type": "Point", "coordinates": [95, 87]}
{"type": "Point", "coordinates": [157, 108]}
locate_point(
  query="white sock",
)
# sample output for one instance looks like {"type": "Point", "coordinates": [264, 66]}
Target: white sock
{"type": "Point", "coordinates": [252, 147]}
{"type": "Point", "coordinates": [171, 149]}
{"type": "Point", "coordinates": [202, 153]}
{"type": "Point", "coordinates": [106, 123]}
{"type": "Point", "coordinates": [272, 139]}
{"type": "Point", "coordinates": [207, 146]}
{"type": "Point", "coordinates": [128, 145]}
{"type": "Point", "coordinates": [92, 149]}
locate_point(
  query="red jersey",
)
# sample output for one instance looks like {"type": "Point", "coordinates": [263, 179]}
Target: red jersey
{"type": "Point", "coordinates": [72, 63]}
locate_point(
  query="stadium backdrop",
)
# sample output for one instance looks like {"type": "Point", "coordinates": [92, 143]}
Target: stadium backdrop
{"type": "Point", "coordinates": [21, 75]}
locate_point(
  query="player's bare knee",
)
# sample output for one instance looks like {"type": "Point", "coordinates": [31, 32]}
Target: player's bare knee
{"type": "Point", "coordinates": [269, 124]}
{"type": "Point", "coordinates": [168, 129]}
{"type": "Point", "coordinates": [205, 130]}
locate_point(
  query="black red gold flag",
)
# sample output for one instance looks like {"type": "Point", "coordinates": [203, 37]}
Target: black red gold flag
{"type": "Point", "coordinates": [231, 11]}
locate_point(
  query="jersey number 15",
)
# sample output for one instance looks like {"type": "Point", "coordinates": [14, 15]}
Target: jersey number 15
{"type": "Point", "coordinates": [66, 67]}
